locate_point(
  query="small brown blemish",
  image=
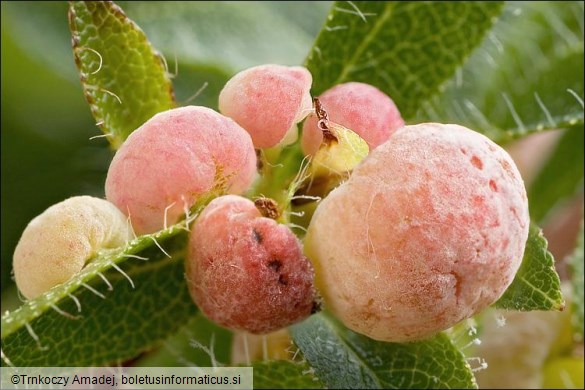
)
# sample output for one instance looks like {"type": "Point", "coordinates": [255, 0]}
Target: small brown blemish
{"type": "Point", "coordinates": [508, 168]}
{"type": "Point", "coordinates": [478, 200]}
{"type": "Point", "coordinates": [275, 264]}
{"type": "Point", "coordinates": [259, 160]}
{"type": "Point", "coordinates": [457, 284]}
{"type": "Point", "coordinates": [476, 162]}
{"type": "Point", "coordinates": [257, 236]}
{"type": "Point", "coordinates": [493, 186]}
{"type": "Point", "coordinates": [283, 280]}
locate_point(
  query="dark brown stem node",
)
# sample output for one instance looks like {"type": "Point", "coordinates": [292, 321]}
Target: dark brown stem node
{"type": "Point", "coordinates": [323, 121]}
{"type": "Point", "coordinates": [267, 207]}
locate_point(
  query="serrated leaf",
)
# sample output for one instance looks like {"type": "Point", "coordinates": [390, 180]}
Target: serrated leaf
{"type": "Point", "coordinates": [513, 86]}
{"type": "Point", "coordinates": [113, 325]}
{"type": "Point", "coordinates": [406, 49]}
{"type": "Point", "coordinates": [536, 285]}
{"type": "Point", "coordinates": [345, 359]}
{"type": "Point", "coordinates": [124, 78]}
{"type": "Point", "coordinates": [561, 175]}
{"type": "Point", "coordinates": [577, 270]}
{"type": "Point", "coordinates": [284, 374]}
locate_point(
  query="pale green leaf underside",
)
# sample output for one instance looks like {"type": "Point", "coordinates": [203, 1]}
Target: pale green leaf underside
{"type": "Point", "coordinates": [118, 326]}
{"type": "Point", "coordinates": [284, 374]}
{"type": "Point", "coordinates": [536, 285]}
{"type": "Point", "coordinates": [124, 79]}
{"type": "Point", "coordinates": [527, 76]}
{"type": "Point", "coordinates": [344, 359]}
{"type": "Point", "coordinates": [577, 269]}
{"type": "Point", "coordinates": [406, 49]}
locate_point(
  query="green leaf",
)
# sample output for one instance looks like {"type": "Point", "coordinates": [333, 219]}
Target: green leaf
{"type": "Point", "coordinates": [407, 49]}
{"type": "Point", "coordinates": [560, 177]}
{"type": "Point", "coordinates": [536, 285]}
{"type": "Point", "coordinates": [111, 326]}
{"type": "Point", "coordinates": [577, 269]}
{"type": "Point", "coordinates": [199, 342]}
{"type": "Point", "coordinates": [514, 85]}
{"type": "Point", "coordinates": [305, 15]}
{"type": "Point", "coordinates": [124, 79]}
{"type": "Point", "coordinates": [344, 359]}
{"type": "Point", "coordinates": [230, 35]}
{"type": "Point", "coordinates": [284, 374]}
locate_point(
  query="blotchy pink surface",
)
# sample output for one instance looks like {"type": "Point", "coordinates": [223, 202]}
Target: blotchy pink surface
{"type": "Point", "coordinates": [360, 107]}
{"type": "Point", "coordinates": [175, 157]}
{"type": "Point", "coordinates": [429, 230]}
{"type": "Point", "coordinates": [245, 271]}
{"type": "Point", "coordinates": [267, 100]}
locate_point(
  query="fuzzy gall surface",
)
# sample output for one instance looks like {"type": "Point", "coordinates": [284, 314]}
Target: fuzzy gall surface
{"type": "Point", "coordinates": [268, 101]}
{"type": "Point", "coordinates": [245, 271]}
{"type": "Point", "coordinates": [57, 243]}
{"type": "Point", "coordinates": [360, 107]}
{"type": "Point", "coordinates": [174, 158]}
{"type": "Point", "coordinates": [429, 230]}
